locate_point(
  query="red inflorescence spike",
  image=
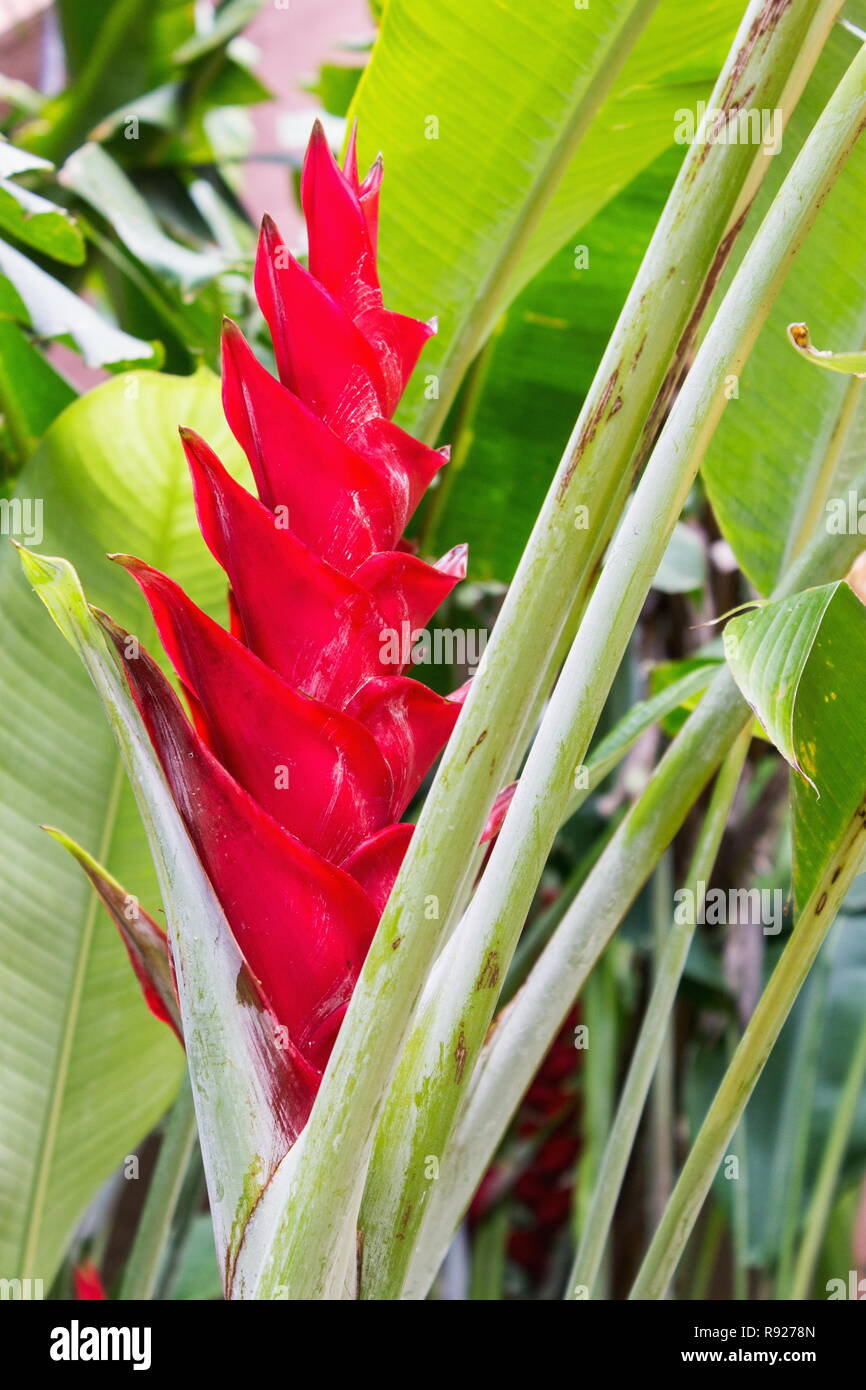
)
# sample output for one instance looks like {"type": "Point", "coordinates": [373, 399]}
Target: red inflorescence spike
{"type": "Point", "coordinates": [306, 741]}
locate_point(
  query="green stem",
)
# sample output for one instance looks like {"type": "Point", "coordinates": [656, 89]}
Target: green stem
{"type": "Point", "coordinates": [539, 931]}
{"type": "Point", "coordinates": [454, 1024]}
{"type": "Point", "coordinates": [661, 1097]}
{"type": "Point", "coordinates": [788, 1174]}
{"type": "Point", "coordinates": [488, 1256]}
{"type": "Point", "coordinates": [462, 437]}
{"type": "Point", "coordinates": [708, 1253]}
{"type": "Point", "coordinates": [740, 1223]}
{"type": "Point", "coordinates": [301, 1242]}
{"type": "Point", "coordinates": [828, 1174]}
{"type": "Point", "coordinates": [653, 1031]}
{"type": "Point", "coordinates": [746, 1066]}
{"type": "Point", "coordinates": [598, 1084]}
{"type": "Point", "coordinates": [154, 1225]}
{"type": "Point", "coordinates": [815, 498]}
{"type": "Point", "coordinates": [526, 1029]}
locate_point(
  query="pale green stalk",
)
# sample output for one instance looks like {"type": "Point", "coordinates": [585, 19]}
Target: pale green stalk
{"type": "Point", "coordinates": [310, 1204]}
{"type": "Point", "coordinates": [526, 1029]}
{"type": "Point", "coordinates": [660, 1110]}
{"type": "Point", "coordinates": [450, 1030]}
{"type": "Point", "coordinates": [788, 1173]}
{"type": "Point", "coordinates": [598, 1082]}
{"type": "Point", "coordinates": [708, 1253]}
{"type": "Point", "coordinates": [653, 1029]}
{"type": "Point", "coordinates": [746, 1066]}
{"type": "Point", "coordinates": [740, 1223]}
{"type": "Point", "coordinates": [489, 1256]}
{"type": "Point", "coordinates": [828, 1174]}
{"type": "Point", "coordinates": [815, 500]}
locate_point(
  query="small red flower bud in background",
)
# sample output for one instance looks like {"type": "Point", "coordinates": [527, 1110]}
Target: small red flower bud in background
{"type": "Point", "coordinates": [535, 1171]}
{"type": "Point", "coordinates": [306, 741]}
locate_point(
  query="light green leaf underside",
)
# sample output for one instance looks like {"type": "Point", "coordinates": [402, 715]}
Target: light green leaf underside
{"type": "Point", "coordinates": [801, 664]}
{"type": "Point", "coordinates": [450, 204]}
{"type": "Point", "coordinates": [15, 161]}
{"type": "Point", "coordinates": [764, 462]}
{"type": "Point", "coordinates": [53, 311]}
{"type": "Point", "coordinates": [86, 1070]}
{"type": "Point", "coordinates": [98, 179]}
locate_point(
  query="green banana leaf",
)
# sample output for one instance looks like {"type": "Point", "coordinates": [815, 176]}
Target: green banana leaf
{"type": "Point", "coordinates": [763, 466]}
{"type": "Point", "coordinates": [473, 206]}
{"type": "Point", "coordinates": [87, 1071]}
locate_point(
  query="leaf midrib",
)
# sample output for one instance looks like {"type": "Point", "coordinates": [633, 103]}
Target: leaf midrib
{"type": "Point", "coordinates": [51, 1128]}
{"type": "Point", "coordinates": [584, 106]}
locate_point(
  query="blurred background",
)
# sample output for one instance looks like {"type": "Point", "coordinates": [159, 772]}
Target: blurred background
{"type": "Point", "coordinates": [221, 119]}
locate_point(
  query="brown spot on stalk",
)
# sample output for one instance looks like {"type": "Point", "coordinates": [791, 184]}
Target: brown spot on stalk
{"type": "Point", "coordinates": [396, 942]}
{"type": "Point", "coordinates": [246, 993]}
{"type": "Point", "coordinates": [461, 1052]}
{"type": "Point", "coordinates": [821, 904]}
{"type": "Point", "coordinates": [730, 103]}
{"type": "Point", "coordinates": [480, 739]}
{"type": "Point", "coordinates": [638, 351]}
{"type": "Point", "coordinates": [489, 976]}
{"type": "Point", "coordinates": [666, 390]}
{"type": "Point", "coordinates": [404, 1222]}
{"type": "Point", "coordinates": [588, 432]}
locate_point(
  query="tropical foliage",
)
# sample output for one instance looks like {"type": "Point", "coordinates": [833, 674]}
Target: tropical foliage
{"type": "Point", "coordinates": [577, 1012]}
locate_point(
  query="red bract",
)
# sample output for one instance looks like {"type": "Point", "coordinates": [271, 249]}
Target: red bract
{"type": "Point", "coordinates": [307, 741]}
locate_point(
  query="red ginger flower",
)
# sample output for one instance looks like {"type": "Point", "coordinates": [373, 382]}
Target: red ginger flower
{"type": "Point", "coordinates": [307, 741]}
